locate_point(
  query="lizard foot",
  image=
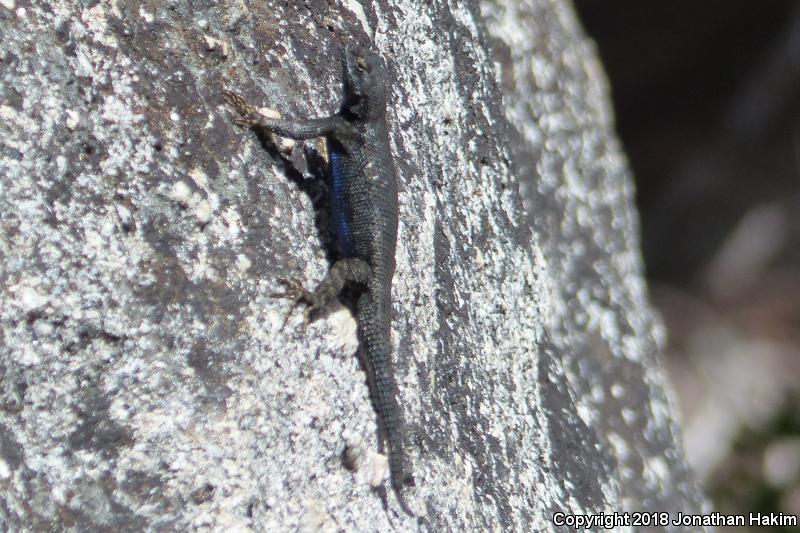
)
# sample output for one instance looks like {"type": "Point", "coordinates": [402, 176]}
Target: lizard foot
{"type": "Point", "coordinates": [298, 294]}
{"type": "Point", "coordinates": [249, 116]}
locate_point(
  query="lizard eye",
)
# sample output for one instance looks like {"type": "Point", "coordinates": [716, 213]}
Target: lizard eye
{"type": "Point", "coordinates": [361, 64]}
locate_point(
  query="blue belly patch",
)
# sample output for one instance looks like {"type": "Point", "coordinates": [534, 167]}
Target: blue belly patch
{"type": "Point", "coordinates": [338, 185]}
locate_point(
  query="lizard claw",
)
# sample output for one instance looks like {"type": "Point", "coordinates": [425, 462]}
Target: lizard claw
{"type": "Point", "coordinates": [244, 122]}
{"type": "Point", "coordinates": [298, 294]}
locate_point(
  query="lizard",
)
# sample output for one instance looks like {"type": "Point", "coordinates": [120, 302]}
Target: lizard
{"type": "Point", "coordinates": [364, 205]}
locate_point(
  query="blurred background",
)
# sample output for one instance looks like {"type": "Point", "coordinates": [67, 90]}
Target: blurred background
{"type": "Point", "coordinates": [707, 98]}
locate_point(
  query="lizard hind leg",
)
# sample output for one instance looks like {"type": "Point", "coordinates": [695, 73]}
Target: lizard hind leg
{"type": "Point", "coordinates": [248, 114]}
{"type": "Point", "coordinates": [350, 269]}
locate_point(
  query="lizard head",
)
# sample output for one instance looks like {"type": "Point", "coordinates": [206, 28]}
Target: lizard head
{"type": "Point", "coordinates": [365, 83]}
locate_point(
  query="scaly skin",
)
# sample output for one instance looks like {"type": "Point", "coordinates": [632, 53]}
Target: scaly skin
{"type": "Point", "coordinates": [363, 188]}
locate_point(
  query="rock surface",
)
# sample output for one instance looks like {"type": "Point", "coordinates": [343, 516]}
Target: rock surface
{"type": "Point", "coordinates": [145, 380]}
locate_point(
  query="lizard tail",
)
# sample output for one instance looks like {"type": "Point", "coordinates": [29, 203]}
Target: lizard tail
{"type": "Point", "coordinates": [374, 328]}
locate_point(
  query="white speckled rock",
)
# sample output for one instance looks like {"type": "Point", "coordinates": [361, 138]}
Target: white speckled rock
{"type": "Point", "coordinates": [145, 381]}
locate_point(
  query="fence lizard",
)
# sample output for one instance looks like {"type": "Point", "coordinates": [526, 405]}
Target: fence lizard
{"type": "Point", "coordinates": [363, 191]}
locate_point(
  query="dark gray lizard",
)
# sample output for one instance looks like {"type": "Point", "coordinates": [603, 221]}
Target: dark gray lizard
{"type": "Point", "coordinates": [363, 193]}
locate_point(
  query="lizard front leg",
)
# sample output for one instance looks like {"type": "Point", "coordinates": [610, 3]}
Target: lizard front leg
{"type": "Point", "coordinates": [293, 129]}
